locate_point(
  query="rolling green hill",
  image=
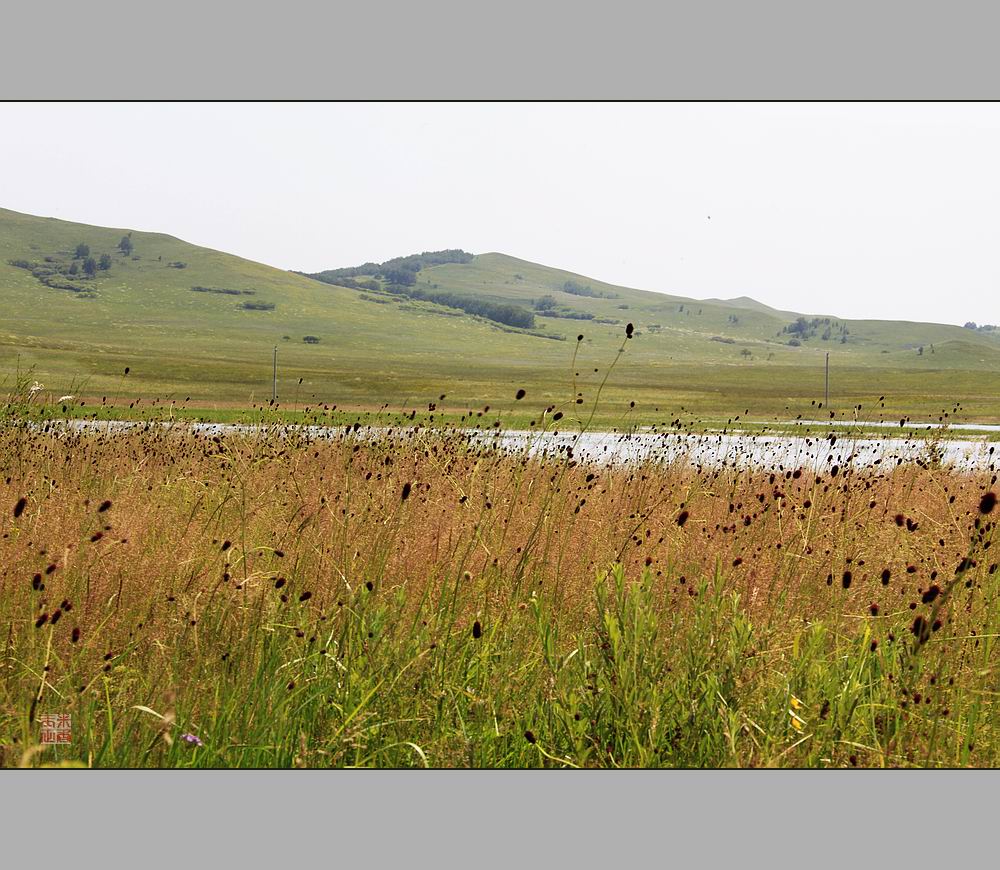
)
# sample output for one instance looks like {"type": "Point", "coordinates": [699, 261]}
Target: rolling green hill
{"type": "Point", "coordinates": [190, 321]}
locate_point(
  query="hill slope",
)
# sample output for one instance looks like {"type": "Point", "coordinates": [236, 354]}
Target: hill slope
{"type": "Point", "coordinates": [406, 344]}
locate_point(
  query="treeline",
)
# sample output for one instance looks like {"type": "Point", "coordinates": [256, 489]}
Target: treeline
{"type": "Point", "coordinates": [225, 290]}
{"type": "Point", "coordinates": [55, 276]}
{"type": "Point", "coordinates": [803, 329]}
{"type": "Point", "coordinates": [358, 285]}
{"type": "Point", "coordinates": [400, 277]}
{"type": "Point", "coordinates": [577, 289]}
{"type": "Point", "coordinates": [398, 270]}
{"type": "Point", "coordinates": [548, 307]}
{"type": "Point", "coordinates": [501, 312]}
{"type": "Point", "coordinates": [566, 314]}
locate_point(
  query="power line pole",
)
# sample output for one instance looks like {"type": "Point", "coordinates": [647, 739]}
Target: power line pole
{"type": "Point", "coordinates": [274, 376]}
{"type": "Point", "coordinates": [827, 380]}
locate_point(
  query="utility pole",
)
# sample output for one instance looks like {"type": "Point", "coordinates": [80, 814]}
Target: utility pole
{"type": "Point", "coordinates": [827, 402]}
{"type": "Point", "coordinates": [274, 375]}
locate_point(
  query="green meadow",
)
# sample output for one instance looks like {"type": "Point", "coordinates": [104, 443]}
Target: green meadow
{"type": "Point", "coordinates": [212, 349]}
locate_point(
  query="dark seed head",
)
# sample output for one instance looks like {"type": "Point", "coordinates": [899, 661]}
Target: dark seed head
{"type": "Point", "coordinates": [305, 596]}
{"type": "Point", "coordinates": [226, 545]}
{"type": "Point", "coordinates": [105, 505]}
{"type": "Point", "coordinates": [279, 582]}
{"type": "Point", "coordinates": [75, 636]}
{"type": "Point", "coordinates": [886, 574]}
{"type": "Point", "coordinates": [931, 594]}
{"type": "Point", "coordinates": [520, 395]}
{"type": "Point", "coordinates": [682, 518]}
{"type": "Point", "coordinates": [477, 630]}
{"type": "Point", "coordinates": [22, 503]}
{"type": "Point", "coordinates": [629, 329]}
{"type": "Point", "coordinates": [406, 491]}
{"type": "Point", "coordinates": [846, 580]}
{"type": "Point", "coordinates": [987, 503]}
{"type": "Point", "coordinates": [529, 737]}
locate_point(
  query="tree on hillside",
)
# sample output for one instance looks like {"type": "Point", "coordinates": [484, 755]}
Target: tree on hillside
{"type": "Point", "coordinates": [400, 276]}
{"type": "Point", "coordinates": [73, 268]}
{"type": "Point", "coordinates": [105, 262]}
{"type": "Point", "coordinates": [90, 267]}
{"type": "Point", "coordinates": [125, 245]}
{"type": "Point", "coordinates": [82, 251]}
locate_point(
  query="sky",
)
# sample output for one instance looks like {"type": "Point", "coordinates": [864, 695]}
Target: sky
{"type": "Point", "coordinates": [866, 210]}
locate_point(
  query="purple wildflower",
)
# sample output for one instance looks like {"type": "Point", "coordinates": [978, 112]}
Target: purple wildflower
{"type": "Point", "coordinates": [192, 740]}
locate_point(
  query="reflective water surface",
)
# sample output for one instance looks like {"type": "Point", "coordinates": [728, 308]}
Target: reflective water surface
{"type": "Point", "coordinates": [818, 452]}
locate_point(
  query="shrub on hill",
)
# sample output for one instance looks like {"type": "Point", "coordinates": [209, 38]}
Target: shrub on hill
{"type": "Point", "coordinates": [567, 314]}
{"type": "Point", "coordinates": [803, 328]}
{"type": "Point", "coordinates": [224, 290]}
{"type": "Point", "coordinates": [403, 277]}
{"type": "Point", "coordinates": [501, 312]}
{"type": "Point", "coordinates": [577, 289]}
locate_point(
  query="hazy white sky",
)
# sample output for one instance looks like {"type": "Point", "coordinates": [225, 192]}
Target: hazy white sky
{"type": "Point", "coordinates": [859, 210]}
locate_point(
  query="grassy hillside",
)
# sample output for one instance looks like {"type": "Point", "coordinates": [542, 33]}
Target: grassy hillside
{"type": "Point", "coordinates": [712, 358]}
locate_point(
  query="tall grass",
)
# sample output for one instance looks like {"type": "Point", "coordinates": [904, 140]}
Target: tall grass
{"type": "Point", "coordinates": [421, 598]}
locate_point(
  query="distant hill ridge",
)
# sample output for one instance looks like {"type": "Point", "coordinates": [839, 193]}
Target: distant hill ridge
{"type": "Point", "coordinates": [81, 303]}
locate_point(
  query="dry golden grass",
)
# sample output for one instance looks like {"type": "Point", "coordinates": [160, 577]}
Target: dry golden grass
{"type": "Point", "coordinates": [169, 555]}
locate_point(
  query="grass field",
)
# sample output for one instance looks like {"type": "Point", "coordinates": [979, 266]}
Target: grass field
{"type": "Point", "coordinates": [702, 359]}
{"type": "Point", "coordinates": [198, 601]}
